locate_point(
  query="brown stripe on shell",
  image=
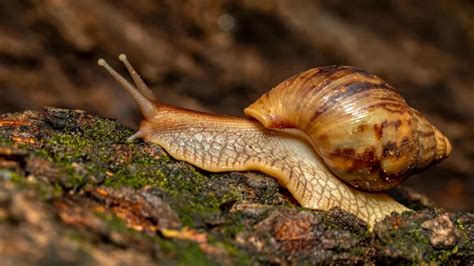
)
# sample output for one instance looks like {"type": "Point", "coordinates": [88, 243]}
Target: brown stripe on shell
{"type": "Point", "coordinates": [358, 86]}
{"type": "Point", "coordinates": [290, 80]}
{"type": "Point", "coordinates": [366, 160]}
{"type": "Point", "coordinates": [295, 80]}
{"type": "Point", "coordinates": [427, 133]}
{"type": "Point", "coordinates": [314, 80]}
{"type": "Point", "coordinates": [362, 127]}
{"type": "Point", "coordinates": [282, 124]}
{"type": "Point", "coordinates": [352, 88]}
{"type": "Point", "coordinates": [326, 75]}
{"type": "Point", "coordinates": [303, 87]}
{"type": "Point", "coordinates": [331, 77]}
{"type": "Point", "coordinates": [362, 81]}
{"type": "Point", "coordinates": [391, 98]}
{"type": "Point", "coordinates": [349, 89]}
{"type": "Point", "coordinates": [391, 107]}
{"type": "Point", "coordinates": [317, 113]}
{"type": "Point", "coordinates": [329, 70]}
{"type": "Point", "coordinates": [359, 74]}
{"type": "Point", "coordinates": [378, 128]}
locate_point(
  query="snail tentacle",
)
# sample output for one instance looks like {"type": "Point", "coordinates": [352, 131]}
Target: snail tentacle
{"type": "Point", "coordinates": [137, 79]}
{"type": "Point", "coordinates": [147, 107]}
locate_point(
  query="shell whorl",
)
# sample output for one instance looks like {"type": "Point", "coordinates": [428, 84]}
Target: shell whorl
{"type": "Point", "coordinates": [358, 124]}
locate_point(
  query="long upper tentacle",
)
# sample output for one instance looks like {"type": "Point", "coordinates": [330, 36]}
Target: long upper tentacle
{"type": "Point", "coordinates": [141, 97]}
{"type": "Point", "coordinates": [142, 87]}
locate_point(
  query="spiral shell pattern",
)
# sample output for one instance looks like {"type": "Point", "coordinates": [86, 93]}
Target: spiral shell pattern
{"type": "Point", "coordinates": [358, 124]}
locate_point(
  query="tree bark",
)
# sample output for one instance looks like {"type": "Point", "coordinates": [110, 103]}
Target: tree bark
{"type": "Point", "coordinates": [72, 190]}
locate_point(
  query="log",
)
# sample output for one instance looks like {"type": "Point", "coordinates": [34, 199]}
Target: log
{"type": "Point", "coordinates": [72, 190]}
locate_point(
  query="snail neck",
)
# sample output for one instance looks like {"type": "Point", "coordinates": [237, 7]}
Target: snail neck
{"type": "Point", "coordinates": [168, 117]}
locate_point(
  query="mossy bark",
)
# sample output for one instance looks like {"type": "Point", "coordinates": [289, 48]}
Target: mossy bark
{"type": "Point", "coordinates": [73, 190]}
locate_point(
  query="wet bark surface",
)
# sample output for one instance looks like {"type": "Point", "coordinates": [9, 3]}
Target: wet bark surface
{"type": "Point", "coordinates": [72, 190]}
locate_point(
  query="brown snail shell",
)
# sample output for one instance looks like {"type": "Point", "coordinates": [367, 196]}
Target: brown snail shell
{"type": "Point", "coordinates": [358, 124]}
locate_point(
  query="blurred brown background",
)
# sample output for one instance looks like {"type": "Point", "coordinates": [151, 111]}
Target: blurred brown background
{"type": "Point", "coordinates": [218, 56]}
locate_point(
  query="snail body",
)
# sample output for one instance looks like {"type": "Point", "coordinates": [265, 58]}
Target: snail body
{"type": "Point", "coordinates": [277, 147]}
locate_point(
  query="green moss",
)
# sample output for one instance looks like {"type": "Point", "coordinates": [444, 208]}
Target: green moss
{"type": "Point", "coordinates": [444, 256]}
{"type": "Point", "coordinates": [460, 225]}
{"type": "Point", "coordinates": [69, 147]}
{"type": "Point", "coordinates": [197, 200]}
{"type": "Point", "coordinates": [77, 235]}
{"type": "Point", "coordinates": [74, 180]}
{"type": "Point", "coordinates": [358, 251]}
{"type": "Point", "coordinates": [180, 252]}
{"type": "Point", "coordinates": [136, 178]}
{"type": "Point", "coordinates": [199, 188]}
{"type": "Point", "coordinates": [240, 257]}
{"type": "Point", "coordinates": [147, 160]}
{"type": "Point", "coordinates": [76, 156]}
{"type": "Point", "coordinates": [12, 176]}
{"type": "Point", "coordinates": [41, 153]}
{"type": "Point", "coordinates": [184, 253]}
{"type": "Point", "coordinates": [105, 130]}
{"type": "Point", "coordinates": [92, 143]}
{"type": "Point", "coordinates": [113, 222]}
{"type": "Point", "coordinates": [411, 243]}
{"type": "Point", "coordinates": [89, 149]}
{"type": "Point", "coordinates": [4, 141]}
{"type": "Point", "coordinates": [44, 191]}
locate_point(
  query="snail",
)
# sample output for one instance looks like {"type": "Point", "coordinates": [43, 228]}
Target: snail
{"type": "Point", "coordinates": [334, 136]}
